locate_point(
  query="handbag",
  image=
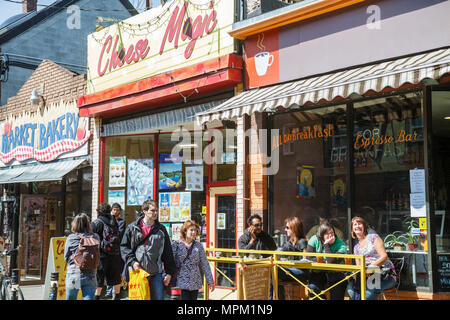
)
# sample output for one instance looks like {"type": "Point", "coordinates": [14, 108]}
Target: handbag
{"type": "Point", "coordinates": [173, 280]}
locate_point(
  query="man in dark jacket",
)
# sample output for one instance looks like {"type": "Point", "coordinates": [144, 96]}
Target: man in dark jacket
{"type": "Point", "coordinates": [110, 267]}
{"type": "Point", "coordinates": [254, 237]}
{"type": "Point", "coordinates": [146, 245]}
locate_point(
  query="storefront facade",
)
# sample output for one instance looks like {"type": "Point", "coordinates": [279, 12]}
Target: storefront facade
{"type": "Point", "coordinates": [350, 132]}
{"type": "Point", "coordinates": [149, 145]}
{"type": "Point", "coordinates": [45, 166]}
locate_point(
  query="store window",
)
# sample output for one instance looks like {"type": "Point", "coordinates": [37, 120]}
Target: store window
{"type": "Point", "coordinates": [223, 150]}
{"type": "Point", "coordinates": [182, 181]}
{"type": "Point", "coordinates": [128, 174]}
{"type": "Point", "coordinates": [441, 182]}
{"type": "Point", "coordinates": [390, 178]}
{"type": "Point", "coordinates": [312, 178]}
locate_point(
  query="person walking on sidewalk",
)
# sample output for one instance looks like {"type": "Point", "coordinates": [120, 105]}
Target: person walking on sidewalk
{"type": "Point", "coordinates": [76, 278]}
{"type": "Point", "coordinates": [191, 262]}
{"type": "Point", "coordinates": [110, 268]}
{"type": "Point", "coordinates": [116, 211]}
{"type": "Point", "coordinates": [146, 245]}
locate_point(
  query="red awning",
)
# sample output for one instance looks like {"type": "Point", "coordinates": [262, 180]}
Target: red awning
{"type": "Point", "coordinates": [216, 75]}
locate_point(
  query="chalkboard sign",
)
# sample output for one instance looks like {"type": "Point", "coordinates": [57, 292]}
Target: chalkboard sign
{"type": "Point", "coordinates": [256, 282]}
{"type": "Point", "coordinates": [443, 268]}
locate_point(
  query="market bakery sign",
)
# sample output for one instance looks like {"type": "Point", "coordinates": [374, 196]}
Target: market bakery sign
{"type": "Point", "coordinates": [176, 35]}
{"type": "Point", "coordinates": [43, 135]}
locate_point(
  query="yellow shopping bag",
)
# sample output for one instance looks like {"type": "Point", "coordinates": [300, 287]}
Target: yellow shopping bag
{"type": "Point", "coordinates": [138, 287]}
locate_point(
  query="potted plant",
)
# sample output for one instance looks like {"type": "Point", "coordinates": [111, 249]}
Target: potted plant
{"type": "Point", "coordinates": [412, 239]}
{"type": "Point", "coordinates": [396, 240]}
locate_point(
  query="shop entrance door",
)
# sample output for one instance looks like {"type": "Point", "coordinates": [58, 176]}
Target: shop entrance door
{"type": "Point", "coordinates": [37, 225]}
{"type": "Point", "coordinates": [222, 229]}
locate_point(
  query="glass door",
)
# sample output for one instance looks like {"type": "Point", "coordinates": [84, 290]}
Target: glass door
{"type": "Point", "coordinates": [222, 230]}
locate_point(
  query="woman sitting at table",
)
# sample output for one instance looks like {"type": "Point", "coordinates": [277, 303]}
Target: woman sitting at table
{"type": "Point", "coordinates": [296, 243]}
{"type": "Point", "coordinates": [372, 247]}
{"type": "Point", "coordinates": [326, 241]}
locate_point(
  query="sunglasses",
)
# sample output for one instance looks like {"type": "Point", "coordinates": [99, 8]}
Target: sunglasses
{"type": "Point", "coordinates": [257, 225]}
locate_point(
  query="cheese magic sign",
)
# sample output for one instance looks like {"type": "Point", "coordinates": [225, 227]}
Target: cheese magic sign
{"type": "Point", "coordinates": [43, 136]}
{"type": "Point", "coordinates": [179, 34]}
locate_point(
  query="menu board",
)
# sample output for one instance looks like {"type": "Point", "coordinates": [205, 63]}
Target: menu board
{"type": "Point", "coordinates": [443, 268]}
{"type": "Point", "coordinates": [255, 284]}
{"type": "Point", "coordinates": [117, 171]}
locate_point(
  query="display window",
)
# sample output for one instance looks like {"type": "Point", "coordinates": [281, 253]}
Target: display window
{"type": "Point", "coordinates": [311, 182]}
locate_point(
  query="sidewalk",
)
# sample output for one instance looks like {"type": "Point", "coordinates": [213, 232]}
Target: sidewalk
{"type": "Point", "coordinates": [33, 292]}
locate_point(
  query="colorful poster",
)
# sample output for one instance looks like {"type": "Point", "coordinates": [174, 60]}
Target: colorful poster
{"type": "Point", "coordinates": [194, 178]}
{"type": "Point", "coordinates": [174, 199]}
{"type": "Point", "coordinates": [305, 182]}
{"type": "Point", "coordinates": [176, 230]}
{"type": "Point", "coordinates": [338, 190]}
{"type": "Point", "coordinates": [221, 221]}
{"type": "Point", "coordinates": [117, 171]}
{"type": "Point", "coordinates": [117, 196]}
{"type": "Point", "coordinates": [164, 200]}
{"type": "Point", "coordinates": [139, 181]}
{"type": "Point", "coordinates": [164, 214]}
{"type": "Point", "coordinates": [175, 214]}
{"type": "Point", "coordinates": [170, 171]}
{"type": "Point", "coordinates": [185, 199]}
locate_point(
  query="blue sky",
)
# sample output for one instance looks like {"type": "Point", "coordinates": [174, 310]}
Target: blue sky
{"type": "Point", "coordinates": [8, 9]}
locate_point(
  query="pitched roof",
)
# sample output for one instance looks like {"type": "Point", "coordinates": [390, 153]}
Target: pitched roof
{"type": "Point", "coordinates": [19, 23]}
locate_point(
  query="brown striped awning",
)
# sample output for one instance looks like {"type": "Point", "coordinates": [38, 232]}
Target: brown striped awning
{"type": "Point", "coordinates": [328, 87]}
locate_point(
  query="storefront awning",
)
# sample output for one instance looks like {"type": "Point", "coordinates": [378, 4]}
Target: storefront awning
{"type": "Point", "coordinates": [38, 172]}
{"type": "Point", "coordinates": [329, 87]}
{"type": "Point", "coordinates": [157, 120]}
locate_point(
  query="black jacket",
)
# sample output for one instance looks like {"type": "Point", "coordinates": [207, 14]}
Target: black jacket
{"type": "Point", "coordinates": [155, 257]}
{"type": "Point", "coordinates": [97, 227]}
{"type": "Point", "coordinates": [263, 241]}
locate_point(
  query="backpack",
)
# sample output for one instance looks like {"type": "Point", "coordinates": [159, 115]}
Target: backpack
{"type": "Point", "coordinates": [87, 256]}
{"type": "Point", "coordinates": [110, 243]}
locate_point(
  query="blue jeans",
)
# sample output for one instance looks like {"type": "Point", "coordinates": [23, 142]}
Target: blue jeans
{"type": "Point", "coordinates": [354, 293]}
{"type": "Point", "coordinates": [156, 287]}
{"type": "Point", "coordinates": [86, 281]}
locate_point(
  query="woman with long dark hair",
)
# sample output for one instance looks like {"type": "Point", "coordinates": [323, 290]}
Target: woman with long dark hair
{"type": "Point", "coordinates": [326, 241]}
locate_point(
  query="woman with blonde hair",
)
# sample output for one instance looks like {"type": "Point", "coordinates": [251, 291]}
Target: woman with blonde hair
{"type": "Point", "coordinates": [192, 264]}
{"type": "Point", "coordinates": [76, 278]}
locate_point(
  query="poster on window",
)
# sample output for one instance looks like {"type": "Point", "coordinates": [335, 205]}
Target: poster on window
{"type": "Point", "coordinates": [194, 178]}
{"type": "Point", "coordinates": [338, 190]}
{"type": "Point", "coordinates": [170, 171]}
{"type": "Point", "coordinates": [164, 214]}
{"type": "Point", "coordinates": [117, 171]}
{"type": "Point", "coordinates": [139, 181]}
{"type": "Point", "coordinates": [305, 182]}
{"type": "Point", "coordinates": [221, 221]}
{"type": "Point", "coordinates": [185, 206]}
{"type": "Point", "coordinates": [176, 231]}
{"type": "Point", "coordinates": [117, 196]}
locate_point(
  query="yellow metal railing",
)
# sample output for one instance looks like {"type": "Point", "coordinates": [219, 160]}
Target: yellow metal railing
{"type": "Point", "coordinates": [277, 260]}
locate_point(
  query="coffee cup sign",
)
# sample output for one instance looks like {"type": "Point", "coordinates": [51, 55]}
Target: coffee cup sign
{"type": "Point", "coordinates": [263, 61]}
